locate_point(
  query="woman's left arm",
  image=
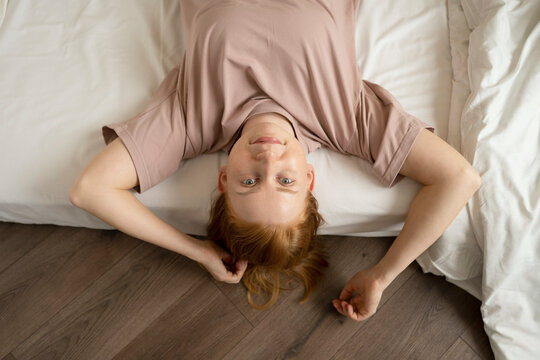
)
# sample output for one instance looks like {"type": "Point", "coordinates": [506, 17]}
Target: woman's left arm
{"type": "Point", "coordinates": [449, 182]}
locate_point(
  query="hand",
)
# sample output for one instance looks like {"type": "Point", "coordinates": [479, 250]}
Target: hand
{"type": "Point", "coordinates": [367, 291]}
{"type": "Point", "coordinates": [221, 264]}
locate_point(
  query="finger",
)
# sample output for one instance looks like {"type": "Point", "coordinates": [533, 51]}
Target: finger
{"type": "Point", "coordinates": [347, 292]}
{"type": "Point", "coordinates": [343, 310]}
{"type": "Point", "coordinates": [337, 305]}
{"type": "Point", "coordinates": [235, 277]}
{"type": "Point", "coordinates": [357, 307]}
{"type": "Point", "coordinates": [230, 278]}
{"type": "Point", "coordinates": [226, 256]}
{"type": "Point", "coordinates": [362, 312]}
{"type": "Point", "coordinates": [241, 266]}
{"type": "Point", "coordinates": [344, 307]}
{"type": "Point", "coordinates": [237, 269]}
{"type": "Point", "coordinates": [351, 313]}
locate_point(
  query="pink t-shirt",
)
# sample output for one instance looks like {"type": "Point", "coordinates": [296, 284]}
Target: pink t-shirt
{"type": "Point", "coordinates": [242, 58]}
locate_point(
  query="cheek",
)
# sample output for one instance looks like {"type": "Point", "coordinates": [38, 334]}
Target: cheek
{"type": "Point", "coordinates": [298, 159]}
{"type": "Point", "coordinates": [234, 166]}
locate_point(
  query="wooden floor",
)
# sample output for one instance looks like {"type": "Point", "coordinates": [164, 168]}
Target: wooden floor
{"type": "Point", "coordinates": [76, 293]}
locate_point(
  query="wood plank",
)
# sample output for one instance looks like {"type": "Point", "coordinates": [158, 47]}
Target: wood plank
{"type": "Point", "coordinates": [117, 307]}
{"type": "Point", "coordinates": [203, 324]}
{"type": "Point", "coordinates": [374, 246]}
{"type": "Point", "coordinates": [460, 350]}
{"type": "Point", "coordinates": [315, 329]}
{"type": "Point", "coordinates": [17, 239]}
{"type": "Point", "coordinates": [238, 294]}
{"type": "Point", "coordinates": [145, 304]}
{"type": "Point", "coordinates": [421, 321]}
{"type": "Point", "coordinates": [475, 336]}
{"type": "Point", "coordinates": [52, 274]}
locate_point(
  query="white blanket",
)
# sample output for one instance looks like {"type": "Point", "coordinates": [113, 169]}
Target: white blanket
{"type": "Point", "coordinates": [496, 96]}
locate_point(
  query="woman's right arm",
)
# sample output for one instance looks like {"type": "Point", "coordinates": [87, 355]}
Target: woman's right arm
{"type": "Point", "coordinates": [102, 189]}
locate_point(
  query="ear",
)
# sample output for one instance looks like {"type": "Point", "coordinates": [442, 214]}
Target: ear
{"type": "Point", "coordinates": [311, 175]}
{"type": "Point", "coordinates": [222, 177]}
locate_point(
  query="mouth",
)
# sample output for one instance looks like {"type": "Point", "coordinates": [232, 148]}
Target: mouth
{"type": "Point", "coordinates": [267, 140]}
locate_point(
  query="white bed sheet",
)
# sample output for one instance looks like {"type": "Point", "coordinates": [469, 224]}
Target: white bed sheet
{"type": "Point", "coordinates": [69, 67]}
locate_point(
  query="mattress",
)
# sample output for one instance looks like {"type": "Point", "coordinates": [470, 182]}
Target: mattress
{"type": "Point", "coordinates": [70, 67]}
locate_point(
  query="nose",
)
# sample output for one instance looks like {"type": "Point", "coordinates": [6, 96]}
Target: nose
{"type": "Point", "coordinates": [267, 152]}
{"type": "Point", "coordinates": [266, 155]}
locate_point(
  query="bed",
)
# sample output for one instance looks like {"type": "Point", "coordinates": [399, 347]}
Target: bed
{"type": "Point", "coordinates": [467, 67]}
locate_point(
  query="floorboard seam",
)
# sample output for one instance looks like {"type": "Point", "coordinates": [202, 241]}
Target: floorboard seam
{"type": "Point", "coordinates": [472, 348]}
{"type": "Point", "coordinates": [149, 325]}
{"type": "Point", "coordinates": [29, 250]}
{"type": "Point", "coordinates": [448, 349]}
{"type": "Point", "coordinates": [233, 304]}
{"type": "Point", "coordinates": [9, 356]}
{"type": "Point", "coordinates": [378, 309]}
{"type": "Point", "coordinates": [235, 345]}
{"type": "Point", "coordinates": [79, 294]}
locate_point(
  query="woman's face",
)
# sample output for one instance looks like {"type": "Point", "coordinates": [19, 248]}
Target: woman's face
{"type": "Point", "coordinates": [267, 182]}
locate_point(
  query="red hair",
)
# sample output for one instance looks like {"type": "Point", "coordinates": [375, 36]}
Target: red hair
{"type": "Point", "coordinates": [272, 251]}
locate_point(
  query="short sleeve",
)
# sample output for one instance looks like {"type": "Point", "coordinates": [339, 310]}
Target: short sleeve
{"type": "Point", "coordinates": [155, 139]}
{"type": "Point", "coordinates": [385, 132]}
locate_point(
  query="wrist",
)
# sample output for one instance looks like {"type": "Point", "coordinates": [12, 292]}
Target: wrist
{"type": "Point", "coordinates": [382, 274]}
{"type": "Point", "coordinates": [198, 249]}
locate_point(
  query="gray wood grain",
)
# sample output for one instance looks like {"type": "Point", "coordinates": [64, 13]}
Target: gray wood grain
{"type": "Point", "coordinates": [460, 350]}
{"type": "Point", "coordinates": [74, 293]}
{"type": "Point", "coordinates": [16, 240]}
{"type": "Point", "coordinates": [421, 321]}
{"type": "Point", "coordinates": [50, 275]}
{"type": "Point", "coordinates": [202, 324]}
{"type": "Point", "coordinates": [298, 331]}
{"type": "Point", "coordinates": [476, 338]}
{"type": "Point", "coordinates": [115, 308]}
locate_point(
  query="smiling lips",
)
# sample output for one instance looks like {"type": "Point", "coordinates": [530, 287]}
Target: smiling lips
{"type": "Point", "coordinates": [267, 140]}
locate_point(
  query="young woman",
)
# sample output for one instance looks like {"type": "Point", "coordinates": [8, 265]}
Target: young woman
{"type": "Point", "coordinates": [269, 82]}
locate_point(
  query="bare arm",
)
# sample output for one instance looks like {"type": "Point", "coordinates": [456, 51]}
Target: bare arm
{"type": "Point", "coordinates": [102, 190]}
{"type": "Point", "coordinates": [449, 182]}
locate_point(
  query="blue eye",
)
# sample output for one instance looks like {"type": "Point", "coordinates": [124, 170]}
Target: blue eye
{"type": "Point", "coordinates": [251, 181]}
{"type": "Point", "coordinates": [289, 181]}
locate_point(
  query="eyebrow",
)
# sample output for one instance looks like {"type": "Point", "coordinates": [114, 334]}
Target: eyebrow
{"type": "Point", "coordinates": [255, 189]}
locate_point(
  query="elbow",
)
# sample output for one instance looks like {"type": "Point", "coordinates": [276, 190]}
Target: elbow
{"type": "Point", "coordinates": [75, 196]}
{"type": "Point", "coordinates": [77, 192]}
{"type": "Point", "coordinates": [477, 180]}
{"type": "Point", "coordinates": [470, 177]}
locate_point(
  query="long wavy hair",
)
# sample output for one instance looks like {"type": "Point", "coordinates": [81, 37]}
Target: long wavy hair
{"type": "Point", "coordinates": [272, 251]}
